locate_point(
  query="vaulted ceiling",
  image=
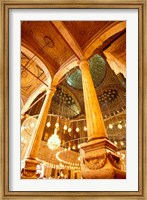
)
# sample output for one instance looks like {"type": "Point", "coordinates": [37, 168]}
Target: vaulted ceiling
{"type": "Point", "coordinates": [57, 44]}
{"type": "Point", "coordinates": [50, 53]}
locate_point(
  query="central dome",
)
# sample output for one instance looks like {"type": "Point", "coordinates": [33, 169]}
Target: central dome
{"type": "Point", "coordinates": [97, 70]}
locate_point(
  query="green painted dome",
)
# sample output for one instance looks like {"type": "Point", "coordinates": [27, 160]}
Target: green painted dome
{"type": "Point", "coordinates": [97, 70]}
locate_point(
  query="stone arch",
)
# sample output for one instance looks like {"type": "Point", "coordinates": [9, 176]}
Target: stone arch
{"type": "Point", "coordinates": [88, 51]}
{"type": "Point", "coordinates": [38, 61]}
{"type": "Point", "coordinates": [99, 39]}
{"type": "Point", "coordinates": [30, 54]}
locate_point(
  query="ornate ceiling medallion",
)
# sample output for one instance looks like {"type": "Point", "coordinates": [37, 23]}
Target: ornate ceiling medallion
{"type": "Point", "coordinates": [49, 41]}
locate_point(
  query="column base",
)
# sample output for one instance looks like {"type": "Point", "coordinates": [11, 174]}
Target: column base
{"type": "Point", "coordinates": [100, 160]}
{"type": "Point", "coordinates": [29, 171]}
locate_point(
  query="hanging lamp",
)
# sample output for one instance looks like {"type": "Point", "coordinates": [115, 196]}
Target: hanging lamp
{"type": "Point", "coordinates": [54, 141]}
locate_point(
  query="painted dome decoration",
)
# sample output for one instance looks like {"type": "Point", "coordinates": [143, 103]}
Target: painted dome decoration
{"type": "Point", "coordinates": [97, 70]}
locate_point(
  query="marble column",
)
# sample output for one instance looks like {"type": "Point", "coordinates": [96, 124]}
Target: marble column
{"type": "Point", "coordinates": [31, 154]}
{"type": "Point", "coordinates": [99, 157]}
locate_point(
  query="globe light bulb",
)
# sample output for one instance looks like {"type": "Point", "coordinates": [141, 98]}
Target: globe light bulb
{"type": "Point", "coordinates": [73, 147]}
{"type": "Point", "coordinates": [48, 124]}
{"type": "Point", "coordinates": [57, 125]}
{"type": "Point", "coordinates": [69, 130]}
{"type": "Point", "coordinates": [110, 126]}
{"type": "Point", "coordinates": [119, 126]}
{"type": "Point", "coordinates": [77, 129]}
{"type": "Point", "coordinates": [85, 128]}
{"type": "Point", "coordinates": [65, 127]}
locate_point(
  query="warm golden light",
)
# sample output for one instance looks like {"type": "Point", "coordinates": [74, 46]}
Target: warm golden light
{"type": "Point", "coordinates": [54, 141]}
{"type": "Point", "coordinates": [57, 125]}
{"type": "Point", "coordinates": [48, 124]}
{"type": "Point", "coordinates": [110, 126]}
{"type": "Point", "coordinates": [69, 130]}
{"type": "Point", "coordinates": [32, 125]}
{"type": "Point", "coordinates": [69, 148]}
{"type": "Point", "coordinates": [119, 126]}
{"type": "Point", "coordinates": [65, 127]}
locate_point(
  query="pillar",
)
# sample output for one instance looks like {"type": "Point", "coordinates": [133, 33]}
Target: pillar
{"type": "Point", "coordinates": [31, 154]}
{"type": "Point", "coordinates": [99, 157]}
{"type": "Point", "coordinates": [95, 123]}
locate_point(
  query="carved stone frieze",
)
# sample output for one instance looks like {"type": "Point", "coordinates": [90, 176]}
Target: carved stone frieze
{"type": "Point", "coordinates": [115, 161]}
{"type": "Point", "coordinates": [96, 162]}
{"type": "Point", "coordinates": [100, 161]}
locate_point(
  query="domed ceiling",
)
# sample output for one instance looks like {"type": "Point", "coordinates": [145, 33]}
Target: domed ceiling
{"type": "Point", "coordinates": [97, 69]}
{"type": "Point", "coordinates": [48, 42]}
{"type": "Point", "coordinates": [64, 103]}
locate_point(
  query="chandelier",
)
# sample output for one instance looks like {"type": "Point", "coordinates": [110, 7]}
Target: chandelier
{"type": "Point", "coordinates": [54, 141]}
{"type": "Point", "coordinates": [65, 125]}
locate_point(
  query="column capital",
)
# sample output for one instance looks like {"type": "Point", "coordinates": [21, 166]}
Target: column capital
{"type": "Point", "coordinates": [83, 62]}
{"type": "Point", "coordinates": [51, 88]}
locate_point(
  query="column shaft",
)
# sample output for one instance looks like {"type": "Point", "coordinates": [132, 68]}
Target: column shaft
{"type": "Point", "coordinates": [39, 128]}
{"type": "Point", "coordinates": [95, 123]}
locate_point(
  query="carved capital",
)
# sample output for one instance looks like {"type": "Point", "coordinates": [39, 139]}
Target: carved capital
{"type": "Point", "coordinates": [51, 89]}
{"type": "Point", "coordinates": [83, 63]}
